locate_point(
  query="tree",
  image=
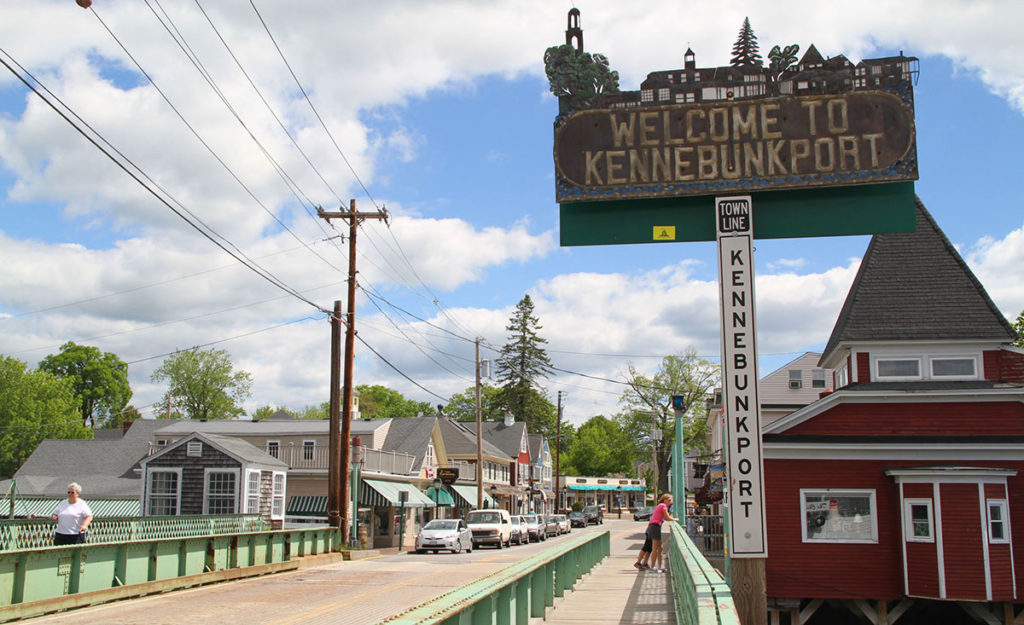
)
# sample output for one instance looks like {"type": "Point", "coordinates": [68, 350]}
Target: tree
{"type": "Point", "coordinates": [745, 50]}
{"type": "Point", "coordinates": [128, 414]}
{"type": "Point", "coordinates": [462, 406]}
{"type": "Point", "coordinates": [601, 447]}
{"type": "Point", "coordinates": [579, 76]}
{"type": "Point", "coordinates": [100, 379]}
{"type": "Point", "coordinates": [33, 405]}
{"type": "Point", "coordinates": [648, 403]}
{"type": "Point", "coordinates": [202, 385]}
{"type": "Point", "coordinates": [523, 362]}
{"type": "Point", "coordinates": [1019, 326]}
{"type": "Point", "coordinates": [381, 402]}
{"type": "Point", "coordinates": [780, 60]}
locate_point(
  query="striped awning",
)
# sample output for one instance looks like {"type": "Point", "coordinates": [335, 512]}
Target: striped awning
{"type": "Point", "coordinates": [604, 487]}
{"type": "Point", "coordinates": [466, 497]}
{"type": "Point", "coordinates": [307, 505]}
{"type": "Point", "coordinates": [381, 493]}
{"type": "Point", "coordinates": [44, 507]}
{"type": "Point", "coordinates": [440, 497]}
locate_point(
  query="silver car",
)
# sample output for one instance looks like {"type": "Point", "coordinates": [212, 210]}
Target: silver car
{"type": "Point", "coordinates": [445, 535]}
{"type": "Point", "coordinates": [564, 527]}
{"type": "Point", "coordinates": [536, 527]}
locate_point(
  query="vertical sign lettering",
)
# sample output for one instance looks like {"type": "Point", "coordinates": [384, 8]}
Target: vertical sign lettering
{"type": "Point", "coordinates": [734, 219]}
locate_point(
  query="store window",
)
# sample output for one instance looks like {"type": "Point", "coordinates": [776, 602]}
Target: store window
{"type": "Point", "coordinates": [838, 516]}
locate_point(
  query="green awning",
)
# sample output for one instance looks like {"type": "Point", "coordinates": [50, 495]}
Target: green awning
{"type": "Point", "coordinates": [440, 497]}
{"type": "Point", "coordinates": [605, 487]}
{"type": "Point", "coordinates": [25, 508]}
{"type": "Point", "coordinates": [307, 505]}
{"type": "Point", "coordinates": [467, 496]}
{"type": "Point", "coordinates": [382, 493]}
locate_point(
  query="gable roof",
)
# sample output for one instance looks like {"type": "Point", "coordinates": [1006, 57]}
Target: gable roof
{"type": "Point", "coordinates": [916, 286]}
{"type": "Point", "coordinates": [236, 447]}
{"type": "Point", "coordinates": [508, 438]}
{"type": "Point", "coordinates": [410, 436]}
{"type": "Point", "coordinates": [536, 442]}
{"type": "Point", "coordinates": [459, 441]}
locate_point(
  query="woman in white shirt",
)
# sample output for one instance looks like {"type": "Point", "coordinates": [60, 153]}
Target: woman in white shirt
{"type": "Point", "coordinates": [73, 517]}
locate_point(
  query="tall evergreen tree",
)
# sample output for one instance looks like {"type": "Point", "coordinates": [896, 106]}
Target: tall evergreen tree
{"type": "Point", "coordinates": [521, 366]}
{"type": "Point", "coordinates": [745, 50]}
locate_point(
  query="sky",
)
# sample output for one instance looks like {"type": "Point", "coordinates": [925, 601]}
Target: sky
{"type": "Point", "coordinates": [440, 113]}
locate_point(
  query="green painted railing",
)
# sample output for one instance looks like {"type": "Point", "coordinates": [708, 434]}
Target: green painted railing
{"type": "Point", "coordinates": [702, 596]}
{"type": "Point", "coordinates": [516, 593]}
{"type": "Point", "coordinates": [48, 579]}
{"type": "Point", "coordinates": [34, 533]}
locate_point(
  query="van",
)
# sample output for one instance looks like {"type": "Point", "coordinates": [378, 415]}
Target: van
{"type": "Point", "coordinates": [490, 527]}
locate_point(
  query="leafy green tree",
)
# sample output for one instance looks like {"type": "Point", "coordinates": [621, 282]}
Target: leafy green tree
{"type": "Point", "coordinates": [100, 379]}
{"type": "Point", "coordinates": [780, 59]}
{"type": "Point", "coordinates": [579, 76]}
{"type": "Point", "coordinates": [202, 384]}
{"type": "Point", "coordinates": [462, 406]}
{"type": "Point", "coordinates": [521, 366]}
{"type": "Point", "coordinates": [601, 447]}
{"type": "Point", "coordinates": [648, 406]}
{"type": "Point", "coordinates": [745, 50]}
{"type": "Point", "coordinates": [128, 414]}
{"type": "Point", "coordinates": [1019, 326]}
{"type": "Point", "coordinates": [381, 402]}
{"type": "Point", "coordinates": [263, 412]}
{"type": "Point", "coordinates": [322, 411]}
{"type": "Point", "coordinates": [34, 405]}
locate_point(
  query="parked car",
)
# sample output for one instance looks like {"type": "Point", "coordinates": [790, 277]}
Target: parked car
{"type": "Point", "coordinates": [594, 515]}
{"type": "Point", "coordinates": [643, 514]}
{"type": "Point", "coordinates": [577, 519]}
{"type": "Point", "coordinates": [551, 527]}
{"type": "Point", "coordinates": [563, 523]}
{"type": "Point", "coordinates": [490, 527]}
{"type": "Point", "coordinates": [444, 534]}
{"type": "Point", "coordinates": [535, 527]}
{"type": "Point", "coordinates": [520, 531]}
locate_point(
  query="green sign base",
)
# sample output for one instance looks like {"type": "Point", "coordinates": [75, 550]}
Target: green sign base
{"type": "Point", "coordinates": [836, 211]}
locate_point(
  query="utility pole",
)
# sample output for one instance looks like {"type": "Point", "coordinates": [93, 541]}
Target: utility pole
{"type": "Point", "coordinates": [333, 470]}
{"type": "Point", "coordinates": [558, 456]}
{"type": "Point", "coordinates": [479, 436]}
{"type": "Point", "coordinates": [353, 218]}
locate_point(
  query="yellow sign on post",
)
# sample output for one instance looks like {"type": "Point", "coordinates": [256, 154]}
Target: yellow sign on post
{"type": "Point", "coordinates": [664, 233]}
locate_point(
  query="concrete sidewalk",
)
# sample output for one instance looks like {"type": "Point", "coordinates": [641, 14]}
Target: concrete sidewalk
{"type": "Point", "coordinates": [615, 592]}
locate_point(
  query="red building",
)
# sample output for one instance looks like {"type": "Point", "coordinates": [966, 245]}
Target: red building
{"type": "Point", "coordinates": [899, 494]}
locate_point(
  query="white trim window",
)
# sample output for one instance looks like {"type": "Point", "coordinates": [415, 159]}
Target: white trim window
{"type": "Point", "coordinates": [898, 369]}
{"type": "Point", "coordinates": [918, 521]}
{"type": "Point", "coordinates": [252, 491]}
{"type": "Point", "coordinates": [838, 516]}
{"type": "Point", "coordinates": [277, 504]}
{"type": "Point", "coordinates": [998, 521]}
{"type": "Point", "coordinates": [274, 449]}
{"type": "Point", "coordinates": [954, 368]}
{"type": "Point", "coordinates": [163, 490]}
{"type": "Point", "coordinates": [220, 491]}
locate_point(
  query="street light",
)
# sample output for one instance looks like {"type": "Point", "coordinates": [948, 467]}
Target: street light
{"type": "Point", "coordinates": [494, 495]}
{"type": "Point", "coordinates": [437, 487]}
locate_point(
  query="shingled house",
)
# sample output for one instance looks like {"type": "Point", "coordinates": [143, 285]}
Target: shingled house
{"type": "Point", "coordinates": [901, 492]}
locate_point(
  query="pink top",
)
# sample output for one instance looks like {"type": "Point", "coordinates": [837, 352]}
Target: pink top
{"type": "Point", "coordinates": [658, 516]}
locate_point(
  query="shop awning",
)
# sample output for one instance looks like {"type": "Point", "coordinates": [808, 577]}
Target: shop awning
{"type": "Point", "coordinates": [307, 505]}
{"type": "Point", "coordinates": [440, 497]}
{"type": "Point", "coordinates": [26, 508]}
{"type": "Point", "coordinates": [605, 487]}
{"type": "Point", "coordinates": [382, 493]}
{"type": "Point", "coordinates": [466, 497]}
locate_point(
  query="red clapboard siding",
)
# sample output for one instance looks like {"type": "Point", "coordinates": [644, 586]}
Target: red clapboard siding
{"type": "Point", "coordinates": [962, 542]}
{"type": "Point", "coordinates": [999, 554]}
{"type": "Point", "coordinates": [907, 419]}
{"type": "Point", "coordinates": [831, 570]}
{"type": "Point", "coordinates": [863, 367]}
{"type": "Point", "coordinates": [923, 570]}
{"type": "Point", "coordinates": [1003, 365]}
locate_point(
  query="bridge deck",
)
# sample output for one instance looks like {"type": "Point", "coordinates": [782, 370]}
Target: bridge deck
{"type": "Point", "coordinates": [367, 591]}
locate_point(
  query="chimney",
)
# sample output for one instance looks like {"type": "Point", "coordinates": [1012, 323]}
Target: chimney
{"type": "Point", "coordinates": [509, 420]}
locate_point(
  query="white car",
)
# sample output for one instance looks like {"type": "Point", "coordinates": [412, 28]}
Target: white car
{"type": "Point", "coordinates": [490, 527]}
{"type": "Point", "coordinates": [445, 535]}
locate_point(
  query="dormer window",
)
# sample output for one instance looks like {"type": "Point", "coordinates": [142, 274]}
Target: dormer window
{"type": "Point", "coordinates": [954, 368]}
{"type": "Point", "coordinates": [900, 368]}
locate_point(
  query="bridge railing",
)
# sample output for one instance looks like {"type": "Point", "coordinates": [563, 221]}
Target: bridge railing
{"type": "Point", "coordinates": [702, 596]}
{"type": "Point", "coordinates": [47, 579]}
{"type": "Point", "coordinates": [34, 533]}
{"type": "Point", "coordinates": [517, 593]}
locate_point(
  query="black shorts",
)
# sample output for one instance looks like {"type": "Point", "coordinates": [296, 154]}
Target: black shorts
{"type": "Point", "coordinates": [68, 539]}
{"type": "Point", "coordinates": [654, 531]}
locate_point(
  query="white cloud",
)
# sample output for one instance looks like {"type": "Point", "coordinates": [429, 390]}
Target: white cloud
{"type": "Point", "coordinates": [999, 265]}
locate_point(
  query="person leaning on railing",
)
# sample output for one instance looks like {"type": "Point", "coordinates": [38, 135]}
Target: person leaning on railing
{"type": "Point", "coordinates": [73, 517]}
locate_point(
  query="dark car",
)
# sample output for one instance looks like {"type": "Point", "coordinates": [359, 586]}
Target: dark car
{"type": "Point", "coordinates": [577, 519]}
{"type": "Point", "coordinates": [643, 514]}
{"type": "Point", "coordinates": [594, 515]}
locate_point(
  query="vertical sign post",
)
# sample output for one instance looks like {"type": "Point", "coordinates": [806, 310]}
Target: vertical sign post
{"type": "Point", "coordinates": [747, 536]}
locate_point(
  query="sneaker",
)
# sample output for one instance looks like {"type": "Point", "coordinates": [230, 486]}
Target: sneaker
{"type": "Point", "coordinates": [644, 567]}
{"type": "Point", "coordinates": [638, 566]}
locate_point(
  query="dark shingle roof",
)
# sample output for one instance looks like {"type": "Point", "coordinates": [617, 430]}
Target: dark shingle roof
{"type": "Point", "coordinates": [508, 438]}
{"type": "Point", "coordinates": [410, 436]}
{"type": "Point", "coordinates": [915, 286]}
{"type": "Point", "coordinates": [459, 440]}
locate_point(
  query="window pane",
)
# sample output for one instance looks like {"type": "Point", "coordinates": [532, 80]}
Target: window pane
{"type": "Point", "coordinates": [898, 368]}
{"type": "Point", "coordinates": [164, 483]}
{"type": "Point", "coordinates": [220, 493]}
{"type": "Point", "coordinates": [838, 516]}
{"type": "Point", "coordinates": [953, 367]}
